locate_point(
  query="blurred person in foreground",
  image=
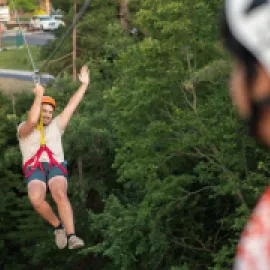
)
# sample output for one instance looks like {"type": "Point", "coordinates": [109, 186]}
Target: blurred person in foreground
{"type": "Point", "coordinates": [246, 34]}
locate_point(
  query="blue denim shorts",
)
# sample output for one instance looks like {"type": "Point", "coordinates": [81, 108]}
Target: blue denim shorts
{"type": "Point", "coordinates": [48, 174]}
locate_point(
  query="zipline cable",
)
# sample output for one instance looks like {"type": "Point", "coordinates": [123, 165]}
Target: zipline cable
{"type": "Point", "coordinates": [35, 70]}
{"type": "Point", "coordinates": [65, 35]}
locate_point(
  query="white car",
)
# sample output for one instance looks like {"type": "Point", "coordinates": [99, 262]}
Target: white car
{"type": "Point", "coordinates": [59, 21]}
{"type": "Point", "coordinates": [43, 22]}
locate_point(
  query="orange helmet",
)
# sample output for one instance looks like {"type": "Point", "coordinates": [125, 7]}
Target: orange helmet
{"type": "Point", "coordinates": [49, 100]}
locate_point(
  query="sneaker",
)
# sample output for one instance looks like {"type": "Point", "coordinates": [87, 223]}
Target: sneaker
{"type": "Point", "coordinates": [75, 242]}
{"type": "Point", "coordinates": [60, 238]}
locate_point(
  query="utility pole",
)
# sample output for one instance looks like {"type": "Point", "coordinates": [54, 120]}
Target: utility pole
{"type": "Point", "coordinates": [2, 30]}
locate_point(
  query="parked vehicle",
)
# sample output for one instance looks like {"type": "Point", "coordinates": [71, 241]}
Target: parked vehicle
{"type": "Point", "coordinates": [4, 14]}
{"type": "Point", "coordinates": [59, 20]}
{"type": "Point", "coordinates": [43, 22]}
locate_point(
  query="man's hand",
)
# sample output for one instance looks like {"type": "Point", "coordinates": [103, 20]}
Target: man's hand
{"type": "Point", "coordinates": [84, 76]}
{"type": "Point", "coordinates": [38, 90]}
{"type": "Point", "coordinates": [76, 98]}
{"type": "Point", "coordinates": [33, 116]}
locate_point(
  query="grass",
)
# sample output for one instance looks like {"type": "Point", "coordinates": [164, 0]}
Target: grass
{"type": "Point", "coordinates": [10, 86]}
{"type": "Point", "coordinates": [18, 58]}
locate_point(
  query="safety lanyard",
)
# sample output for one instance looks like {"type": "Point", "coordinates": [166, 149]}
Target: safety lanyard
{"type": "Point", "coordinates": [40, 127]}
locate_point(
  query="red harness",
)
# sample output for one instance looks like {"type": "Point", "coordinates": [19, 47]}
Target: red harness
{"type": "Point", "coordinates": [37, 164]}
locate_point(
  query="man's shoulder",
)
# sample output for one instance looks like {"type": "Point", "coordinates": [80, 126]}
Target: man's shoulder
{"type": "Point", "coordinates": [20, 125]}
{"type": "Point", "coordinates": [56, 124]}
{"type": "Point", "coordinates": [18, 130]}
{"type": "Point", "coordinates": [55, 120]}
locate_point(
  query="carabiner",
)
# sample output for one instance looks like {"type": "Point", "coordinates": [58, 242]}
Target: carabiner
{"type": "Point", "coordinates": [36, 77]}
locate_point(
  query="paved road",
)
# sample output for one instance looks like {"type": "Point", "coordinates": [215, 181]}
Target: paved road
{"type": "Point", "coordinates": [24, 75]}
{"type": "Point", "coordinates": [39, 38]}
{"type": "Point", "coordinates": [35, 38]}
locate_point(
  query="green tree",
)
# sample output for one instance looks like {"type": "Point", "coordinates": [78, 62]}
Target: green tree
{"type": "Point", "coordinates": [25, 5]}
{"type": "Point", "coordinates": [169, 175]}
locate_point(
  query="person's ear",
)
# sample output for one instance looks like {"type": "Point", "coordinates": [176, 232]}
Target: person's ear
{"type": "Point", "coordinates": [239, 92]}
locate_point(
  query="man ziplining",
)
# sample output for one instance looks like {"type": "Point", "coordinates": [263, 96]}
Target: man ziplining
{"type": "Point", "coordinates": [246, 34]}
{"type": "Point", "coordinates": [44, 166]}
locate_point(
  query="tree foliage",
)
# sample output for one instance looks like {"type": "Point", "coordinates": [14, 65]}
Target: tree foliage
{"type": "Point", "coordinates": [25, 5]}
{"type": "Point", "coordinates": [169, 175]}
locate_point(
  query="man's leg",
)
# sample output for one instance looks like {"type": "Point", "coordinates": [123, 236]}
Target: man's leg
{"type": "Point", "coordinates": [58, 188]}
{"type": "Point", "coordinates": [37, 194]}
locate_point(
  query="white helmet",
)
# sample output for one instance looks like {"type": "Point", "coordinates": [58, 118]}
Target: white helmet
{"type": "Point", "coordinates": [249, 22]}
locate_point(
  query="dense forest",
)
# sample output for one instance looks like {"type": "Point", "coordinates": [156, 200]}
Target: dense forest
{"type": "Point", "coordinates": [163, 174]}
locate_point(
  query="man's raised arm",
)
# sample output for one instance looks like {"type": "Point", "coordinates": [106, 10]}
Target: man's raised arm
{"type": "Point", "coordinates": [34, 113]}
{"type": "Point", "coordinates": [75, 99]}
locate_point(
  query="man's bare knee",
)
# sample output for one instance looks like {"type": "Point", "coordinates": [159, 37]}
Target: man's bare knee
{"type": "Point", "coordinates": [36, 193]}
{"type": "Point", "coordinates": [59, 196]}
{"type": "Point", "coordinates": [36, 199]}
{"type": "Point", "coordinates": [58, 188]}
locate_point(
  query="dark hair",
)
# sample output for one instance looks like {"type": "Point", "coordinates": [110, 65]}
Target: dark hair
{"type": "Point", "coordinates": [241, 53]}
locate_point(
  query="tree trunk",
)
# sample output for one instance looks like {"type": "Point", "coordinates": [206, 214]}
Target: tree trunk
{"type": "Point", "coordinates": [123, 13]}
{"type": "Point", "coordinates": [74, 54]}
{"type": "Point", "coordinates": [80, 171]}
